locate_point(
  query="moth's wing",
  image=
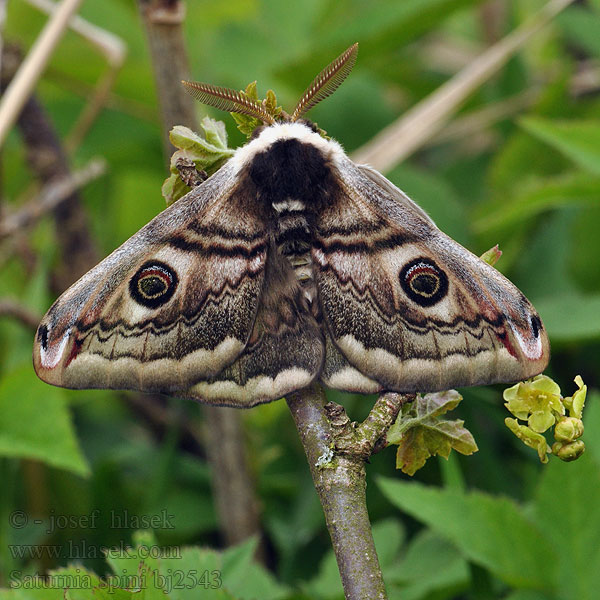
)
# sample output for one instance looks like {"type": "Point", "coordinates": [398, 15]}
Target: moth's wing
{"type": "Point", "coordinates": [284, 353]}
{"type": "Point", "coordinates": [174, 305]}
{"type": "Point", "coordinates": [407, 307]}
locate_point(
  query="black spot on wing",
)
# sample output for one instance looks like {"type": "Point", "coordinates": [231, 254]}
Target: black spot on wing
{"type": "Point", "coordinates": [42, 336]}
{"type": "Point", "coordinates": [536, 326]}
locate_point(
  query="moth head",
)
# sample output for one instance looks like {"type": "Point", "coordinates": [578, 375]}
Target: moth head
{"type": "Point", "coordinates": [322, 86]}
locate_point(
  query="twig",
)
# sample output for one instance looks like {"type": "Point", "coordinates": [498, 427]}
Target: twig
{"type": "Point", "coordinates": [138, 109]}
{"type": "Point", "coordinates": [364, 439]}
{"type": "Point", "coordinates": [50, 197]}
{"type": "Point", "coordinates": [111, 45]}
{"type": "Point", "coordinates": [10, 308]}
{"type": "Point", "coordinates": [492, 16]}
{"type": "Point", "coordinates": [47, 159]}
{"type": "Point", "coordinates": [400, 139]}
{"type": "Point", "coordinates": [340, 481]}
{"type": "Point", "coordinates": [237, 506]}
{"type": "Point", "coordinates": [154, 411]}
{"type": "Point", "coordinates": [2, 22]}
{"type": "Point", "coordinates": [24, 81]}
{"type": "Point", "coordinates": [587, 79]}
{"type": "Point", "coordinates": [372, 431]}
{"type": "Point", "coordinates": [114, 50]}
{"type": "Point", "coordinates": [476, 121]}
{"type": "Point", "coordinates": [163, 23]}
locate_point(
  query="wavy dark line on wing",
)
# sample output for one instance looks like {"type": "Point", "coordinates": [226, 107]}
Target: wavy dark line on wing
{"type": "Point", "coordinates": [362, 247]}
{"type": "Point", "coordinates": [211, 248]}
{"type": "Point", "coordinates": [210, 231]}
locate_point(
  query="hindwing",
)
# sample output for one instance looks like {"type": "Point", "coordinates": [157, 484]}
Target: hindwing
{"type": "Point", "coordinates": [284, 353]}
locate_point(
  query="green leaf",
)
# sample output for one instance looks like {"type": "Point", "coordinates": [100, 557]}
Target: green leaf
{"type": "Point", "coordinates": [566, 190]}
{"type": "Point", "coordinates": [388, 536]}
{"type": "Point", "coordinates": [203, 572]}
{"type": "Point", "coordinates": [386, 24]}
{"type": "Point", "coordinates": [584, 316]}
{"type": "Point", "coordinates": [251, 91]}
{"type": "Point", "coordinates": [592, 425]}
{"type": "Point", "coordinates": [567, 508]}
{"type": "Point", "coordinates": [67, 583]}
{"type": "Point", "coordinates": [577, 139]}
{"type": "Point", "coordinates": [215, 132]}
{"type": "Point", "coordinates": [179, 574]}
{"type": "Point", "coordinates": [36, 422]}
{"type": "Point", "coordinates": [82, 584]}
{"type": "Point", "coordinates": [529, 595]}
{"type": "Point", "coordinates": [581, 27]}
{"type": "Point", "coordinates": [327, 583]}
{"type": "Point", "coordinates": [491, 532]}
{"type": "Point", "coordinates": [185, 139]}
{"type": "Point", "coordinates": [420, 433]}
{"type": "Point", "coordinates": [207, 153]}
{"type": "Point", "coordinates": [443, 574]}
{"type": "Point", "coordinates": [173, 188]}
{"type": "Point", "coordinates": [492, 256]}
{"type": "Point", "coordinates": [245, 123]}
{"type": "Point", "coordinates": [246, 579]}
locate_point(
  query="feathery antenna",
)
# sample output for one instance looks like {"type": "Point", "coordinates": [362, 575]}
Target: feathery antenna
{"type": "Point", "coordinates": [327, 81]}
{"type": "Point", "coordinates": [227, 99]}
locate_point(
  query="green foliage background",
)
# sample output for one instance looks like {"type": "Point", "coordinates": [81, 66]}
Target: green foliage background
{"type": "Point", "coordinates": [493, 525]}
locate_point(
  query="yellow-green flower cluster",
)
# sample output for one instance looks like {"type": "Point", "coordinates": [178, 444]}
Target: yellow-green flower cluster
{"type": "Point", "coordinates": [539, 403]}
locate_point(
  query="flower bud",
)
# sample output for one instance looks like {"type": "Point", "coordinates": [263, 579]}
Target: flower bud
{"type": "Point", "coordinates": [571, 451]}
{"type": "Point", "coordinates": [568, 429]}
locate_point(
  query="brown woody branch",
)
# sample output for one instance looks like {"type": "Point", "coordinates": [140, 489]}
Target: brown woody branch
{"type": "Point", "coordinates": [408, 134]}
{"type": "Point", "coordinates": [10, 308]}
{"type": "Point", "coordinates": [336, 451]}
{"type": "Point", "coordinates": [50, 197]}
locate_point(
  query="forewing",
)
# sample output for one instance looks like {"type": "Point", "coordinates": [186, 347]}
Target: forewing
{"type": "Point", "coordinates": [406, 306]}
{"type": "Point", "coordinates": [174, 305]}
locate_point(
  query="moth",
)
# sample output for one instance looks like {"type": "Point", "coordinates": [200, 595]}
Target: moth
{"type": "Point", "coordinates": [288, 265]}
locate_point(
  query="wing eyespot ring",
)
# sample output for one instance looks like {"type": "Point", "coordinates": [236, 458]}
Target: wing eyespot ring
{"type": "Point", "coordinates": [423, 281]}
{"type": "Point", "coordinates": [153, 284]}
